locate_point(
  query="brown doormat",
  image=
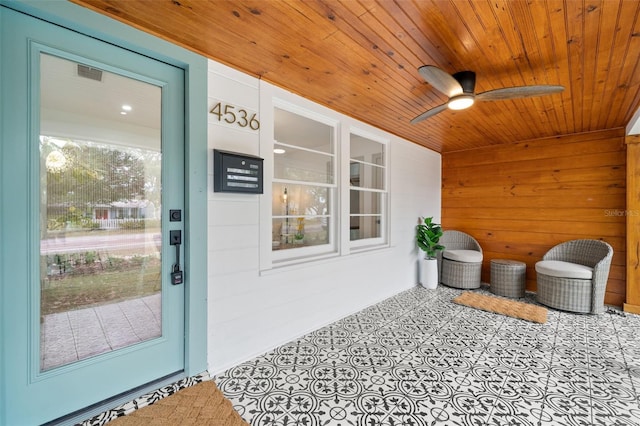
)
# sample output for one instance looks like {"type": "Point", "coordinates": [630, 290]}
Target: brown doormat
{"type": "Point", "coordinates": [201, 404]}
{"type": "Point", "coordinates": [503, 306]}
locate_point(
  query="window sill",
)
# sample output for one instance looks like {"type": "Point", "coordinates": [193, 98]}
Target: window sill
{"type": "Point", "coordinates": [302, 263]}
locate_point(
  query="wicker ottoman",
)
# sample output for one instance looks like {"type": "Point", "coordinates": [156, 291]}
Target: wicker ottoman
{"type": "Point", "coordinates": [508, 277]}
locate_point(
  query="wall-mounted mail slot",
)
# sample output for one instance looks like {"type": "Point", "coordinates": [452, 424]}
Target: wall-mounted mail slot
{"type": "Point", "coordinates": [235, 172]}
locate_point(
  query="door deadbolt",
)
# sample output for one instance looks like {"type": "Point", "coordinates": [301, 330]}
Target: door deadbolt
{"type": "Point", "coordinates": [175, 215]}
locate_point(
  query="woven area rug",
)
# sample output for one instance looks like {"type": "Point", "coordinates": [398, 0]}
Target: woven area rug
{"type": "Point", "coordinates": [201, 404]}
{"type": "Point", "coordinates": [499, 305]}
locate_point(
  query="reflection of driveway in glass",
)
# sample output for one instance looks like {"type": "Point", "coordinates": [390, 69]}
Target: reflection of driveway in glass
{"type": "Point", "coordinates": [75, 335]}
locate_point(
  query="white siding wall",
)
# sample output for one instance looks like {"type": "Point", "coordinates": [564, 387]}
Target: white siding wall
{"type": "Point", "coordinates": [252, 311]}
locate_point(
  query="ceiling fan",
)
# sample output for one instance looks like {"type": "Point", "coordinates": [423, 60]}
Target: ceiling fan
{"type": "Point", "coordinates": [460, 87]}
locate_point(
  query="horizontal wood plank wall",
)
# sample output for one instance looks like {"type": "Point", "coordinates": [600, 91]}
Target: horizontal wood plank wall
{"type": "Point", "coordinates": [519, 200]}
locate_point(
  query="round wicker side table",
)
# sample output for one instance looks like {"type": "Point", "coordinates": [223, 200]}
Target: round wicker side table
{"type": "Point", "coordinates": [508, 277]}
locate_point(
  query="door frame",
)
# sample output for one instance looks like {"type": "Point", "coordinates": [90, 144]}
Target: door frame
{"type": "Point", "coordinates": [89, 23]}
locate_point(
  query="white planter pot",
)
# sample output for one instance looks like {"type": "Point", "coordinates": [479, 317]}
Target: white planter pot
{"type": "Point", "coordinates": [429, 273]}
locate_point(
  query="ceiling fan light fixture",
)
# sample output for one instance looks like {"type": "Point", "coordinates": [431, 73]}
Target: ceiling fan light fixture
{"type": "Point", "coordinates": [460, 102]}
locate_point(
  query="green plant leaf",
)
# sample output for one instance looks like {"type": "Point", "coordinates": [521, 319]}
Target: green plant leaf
{"type": "Point", "coordinates": [427, 236]}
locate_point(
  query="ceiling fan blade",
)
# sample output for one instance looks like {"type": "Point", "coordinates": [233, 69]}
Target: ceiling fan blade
{"type": "Point", "coordinates": [518, 92]}
{"type": "Point", "coordinates": [429, 113]}
{"type": "Point", "coordinates": [441, 80]}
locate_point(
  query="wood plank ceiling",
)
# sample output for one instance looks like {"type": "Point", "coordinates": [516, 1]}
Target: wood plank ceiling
{"type": "Point", "coordinates": [360, 57]}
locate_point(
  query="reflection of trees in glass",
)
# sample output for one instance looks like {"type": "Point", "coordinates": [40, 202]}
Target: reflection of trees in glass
{"type": "Point", "coordinates": [317, 202]}
{"type": "Point", "coordinates": [84, 174]}
{"type": "Point", "coordinates": [303, 200]}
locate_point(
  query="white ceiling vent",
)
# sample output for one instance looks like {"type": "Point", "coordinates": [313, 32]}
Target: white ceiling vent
{"type": "Point", "coordinates": [90, 73]}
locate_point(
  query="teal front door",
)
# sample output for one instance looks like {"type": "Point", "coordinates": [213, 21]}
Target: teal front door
{"type": "Point", "coordinates": [92, 156]}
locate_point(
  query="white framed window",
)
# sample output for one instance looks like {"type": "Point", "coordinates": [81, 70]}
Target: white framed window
{"type": "Point", "coordinates": [368, 197]}
{"type": "Point", "coordinates": [304, 185]}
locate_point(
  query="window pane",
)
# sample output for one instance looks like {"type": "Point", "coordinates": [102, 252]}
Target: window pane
{"type": "Point", "coordinates": [366, 175]}
{"type": "Point", "coordinates": [294, 129]}
{"type": "Point", "coordinates": [365, 227]}
{"type": "Point", "coordinates": [301, 165]}
{"type": "Point", "coordinates": [367, 150]}
{"type": "Point", "coordinates": [304, 156]}
{"type": "Point", "coordinates": [300, 200]}
{"type": "Point", "coordinates": [300, 216]}
{"type": "Point", "coordinates": [365, 202]}
{"type": "Point", "coordinates": [298, 231]}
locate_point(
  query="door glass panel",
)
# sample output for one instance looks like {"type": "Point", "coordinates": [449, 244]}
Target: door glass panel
{"type": "Point", "coordinates": [100, 220]}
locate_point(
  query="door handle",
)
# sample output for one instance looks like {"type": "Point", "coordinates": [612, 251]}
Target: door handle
{"type": "Point", "coordinates": [175, 239]}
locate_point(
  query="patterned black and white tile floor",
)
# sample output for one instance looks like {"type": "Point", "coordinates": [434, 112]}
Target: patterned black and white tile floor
{"type": "Point", "coordinates": [419, 359]}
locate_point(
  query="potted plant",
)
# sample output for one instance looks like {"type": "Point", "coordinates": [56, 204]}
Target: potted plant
{"type": "Point", "coordinates": [428, 234]}
{"type": "Point", "coordinates": [298, 238]}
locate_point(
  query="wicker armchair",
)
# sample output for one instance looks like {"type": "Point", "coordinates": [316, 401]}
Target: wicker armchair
{"type": "Point", "coordinates": [460, 263]}
{"type": "Point", "coordinates": [572, 276]}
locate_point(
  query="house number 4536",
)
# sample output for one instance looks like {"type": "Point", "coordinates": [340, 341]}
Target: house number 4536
{"type": "Point", "coordinates": [233, 115]}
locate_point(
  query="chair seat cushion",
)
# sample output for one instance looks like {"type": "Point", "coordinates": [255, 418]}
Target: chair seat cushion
{"type": "Point", "coordinates": [560, 269]}
{"type": "Point", "coordinates": [467, 256]}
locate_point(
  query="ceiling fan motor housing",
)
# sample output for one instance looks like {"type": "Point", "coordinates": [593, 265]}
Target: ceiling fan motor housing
{"type": "Point", "coordinates": [467, 80]}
